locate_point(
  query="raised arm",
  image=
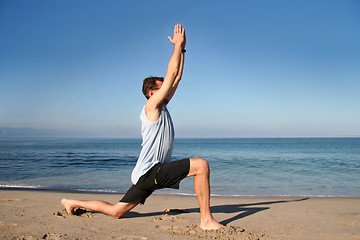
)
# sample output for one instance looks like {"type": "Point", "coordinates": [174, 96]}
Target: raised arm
{"type": "Point", "coordinates": [180, 72]}
{"type": "Point", "coordinates": [159, 97]}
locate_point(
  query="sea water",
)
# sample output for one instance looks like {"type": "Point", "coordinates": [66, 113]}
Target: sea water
{"type": "Point", "coordinates": [239, 166]}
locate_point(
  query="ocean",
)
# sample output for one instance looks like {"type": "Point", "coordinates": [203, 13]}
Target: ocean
{"type": "Point", "coordinates": [239, 166]}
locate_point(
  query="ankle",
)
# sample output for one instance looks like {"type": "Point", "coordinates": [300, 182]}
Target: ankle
{"type": "Point", "coordinates": [207, 221]}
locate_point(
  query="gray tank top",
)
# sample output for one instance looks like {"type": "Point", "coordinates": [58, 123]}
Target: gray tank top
{"type": "Point", "coordinates": [157, 145]}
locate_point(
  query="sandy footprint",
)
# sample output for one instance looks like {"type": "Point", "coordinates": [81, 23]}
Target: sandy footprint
{"type": "Point", "coordinates": [47, 236]}
{"type": "Point", "coordinates": [54, 236]}
{"type": "Point", "coordinates": [169, 215]}
{"type": "Point", "coordinates": [227, 232]}
{"type": "Point", "coordinates": [166, 217]}
{"type": "Point", "coordinates": [78, 212]}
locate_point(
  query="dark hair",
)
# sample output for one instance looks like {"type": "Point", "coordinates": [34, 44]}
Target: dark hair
{"type": "Point", "coordinates": [149, 84]}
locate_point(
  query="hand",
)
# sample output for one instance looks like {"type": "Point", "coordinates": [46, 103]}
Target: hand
{"type": "Point", "coordinates": [179, 36]}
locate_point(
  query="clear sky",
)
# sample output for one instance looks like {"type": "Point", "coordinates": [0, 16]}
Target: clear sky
{"type": "Point", "coordinates": [252, 68]}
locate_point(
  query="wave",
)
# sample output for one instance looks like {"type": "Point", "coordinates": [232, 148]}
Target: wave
{"type": "Point", "coordinates": [20, 186]}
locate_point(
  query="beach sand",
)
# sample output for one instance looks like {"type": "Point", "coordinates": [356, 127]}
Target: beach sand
{"type": "Point", "coordinates": [39, 215]}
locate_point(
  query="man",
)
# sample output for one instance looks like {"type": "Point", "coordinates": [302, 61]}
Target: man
{"type": "Point", "coordinates": [153, 169]}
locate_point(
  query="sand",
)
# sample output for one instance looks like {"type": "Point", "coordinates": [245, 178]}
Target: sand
{"type": "Point", "coordinates": [39, 215]}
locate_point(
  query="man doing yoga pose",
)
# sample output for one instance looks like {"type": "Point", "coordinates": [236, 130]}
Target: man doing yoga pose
{"type": "Point", "coordinates": [154, 169]}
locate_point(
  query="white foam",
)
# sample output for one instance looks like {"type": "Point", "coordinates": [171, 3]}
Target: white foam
{"type": "Point", "coordinates": [19, 186]}
{"type": "Point", "coordinates": [98, 190]}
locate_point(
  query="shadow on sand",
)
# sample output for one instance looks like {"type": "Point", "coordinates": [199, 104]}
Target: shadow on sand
{"type": "Point", "coordinates": [240, 210]}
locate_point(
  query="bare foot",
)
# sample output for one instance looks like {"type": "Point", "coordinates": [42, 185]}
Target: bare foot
{"type": "Point", "coordinates": [67, 204]}
{"type": "Point", "coordinates": [210, 225]}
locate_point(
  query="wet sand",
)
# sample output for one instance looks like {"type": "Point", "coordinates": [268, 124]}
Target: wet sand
{"type": "Point", "coordinates": [39, 215]}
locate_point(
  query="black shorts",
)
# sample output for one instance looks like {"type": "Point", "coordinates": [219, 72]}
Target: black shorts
{"type": "Point", "coordinates": [162, 175]}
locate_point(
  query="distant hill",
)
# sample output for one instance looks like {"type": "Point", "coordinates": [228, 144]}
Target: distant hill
{"type": "Point", "coordinates": [32, 132]}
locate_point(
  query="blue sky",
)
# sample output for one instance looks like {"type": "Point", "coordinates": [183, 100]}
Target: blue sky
{"type": "Point", "coordinates": [252, 68]}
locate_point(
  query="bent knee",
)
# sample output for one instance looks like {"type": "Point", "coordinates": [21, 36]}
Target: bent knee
{"type": "Point", "coordinates": [120, 209]}
{"type": "Point", "coordinates": [117, 214]}
{"type": "Point", "coordinates": [201, 165]}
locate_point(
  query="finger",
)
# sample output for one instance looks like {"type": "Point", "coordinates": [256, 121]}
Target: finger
{"type": "Point", "coordinates": [171, 40]}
